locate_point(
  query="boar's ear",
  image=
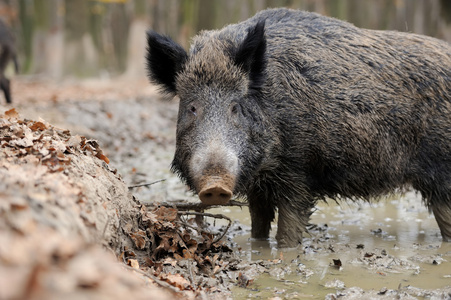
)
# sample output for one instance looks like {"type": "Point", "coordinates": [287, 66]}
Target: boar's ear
{"type": "Point", "coordinates": [165, 58]}
{"type": "Point", "coordinates": [250, 55]}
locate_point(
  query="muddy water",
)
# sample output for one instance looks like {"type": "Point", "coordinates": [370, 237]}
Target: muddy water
{"type": "Point", "coordinates": [401, 226]}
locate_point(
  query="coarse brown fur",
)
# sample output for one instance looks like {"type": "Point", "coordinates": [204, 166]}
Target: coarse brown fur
{"type": "Point", "coordinates": [314, 107]}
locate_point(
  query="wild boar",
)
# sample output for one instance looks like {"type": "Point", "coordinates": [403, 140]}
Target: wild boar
{"type": "Point", "coordinates": [289, 108]}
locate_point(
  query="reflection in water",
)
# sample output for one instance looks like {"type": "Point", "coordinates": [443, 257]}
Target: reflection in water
{"type": "Point", "coordinates": [92, 38]}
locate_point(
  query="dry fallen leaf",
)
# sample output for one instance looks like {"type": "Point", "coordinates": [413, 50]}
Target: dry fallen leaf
{"type": "Point", "coordinates": [166, 213]}
{"type": "Point", "coordinates": [244, 281]}
{"type": "Point", "coordinates": [133, 263]}
{"type": "Point", "coordinates": [337, 263]}
{"type": "Point", "coordinates": [139, 238]}
{"type": "Point", "coordinates": [170, 261]}
{"type": "Point", "coordinates": [187, 254]}
{"type": "Point", "coordinates": [103, 157]}
{"type": "Point", "coordinates": [177, 280]}
{"type": "Point", "coordinates": [38, 126]}
{"type": "Point", "coordinates": [149, 216]}
{"type": "Point", "coordinates": [74, 141]}
{"type": "Point", "coordinates": [12, 114]}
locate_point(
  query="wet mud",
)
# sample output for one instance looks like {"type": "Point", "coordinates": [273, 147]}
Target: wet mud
{"type": "Point", "coordinates": [390, 245]}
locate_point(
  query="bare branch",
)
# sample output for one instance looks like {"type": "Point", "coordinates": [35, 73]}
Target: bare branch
{"type": "Point", "coordinates": [145, 184]}
{"type": "Point", "coordinates": [216, 216]}
{"type": "Point", "coordinates": [196, 206]}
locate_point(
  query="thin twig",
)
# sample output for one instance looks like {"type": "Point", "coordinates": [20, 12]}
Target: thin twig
{"type": "Point", "coordinates": [190, 226]}
{"type": "Point", "coordinates": [198, 229]}
{"type": "Point", "coordinates": [154, 278]}
{"type": "Point", "coordinates": [217, 216]}
{"type": "Point", "coordinates": [145, 184]}
{"type": "Point", "coordinates": [197, 206]}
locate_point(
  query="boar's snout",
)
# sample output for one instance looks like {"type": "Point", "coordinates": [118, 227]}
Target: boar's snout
{"type": "Point", "coordinates": [214, 169]}
{"type": "Point", "coordinates": [216, 190]}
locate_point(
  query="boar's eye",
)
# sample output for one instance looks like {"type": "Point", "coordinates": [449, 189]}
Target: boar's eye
{"type": "Point", "coordinates": [193, 110]}
{"type": "Point", "coordinates": [234, 109]}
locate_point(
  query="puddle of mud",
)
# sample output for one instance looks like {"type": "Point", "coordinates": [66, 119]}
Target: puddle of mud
{"type": "Point", "coordinates": [401, 226]}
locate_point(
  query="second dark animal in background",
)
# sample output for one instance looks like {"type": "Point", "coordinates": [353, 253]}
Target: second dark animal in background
{"type": "Point", "coordinates": [8, 53]}
{"type": "Point", "coordinates": [291, 107]}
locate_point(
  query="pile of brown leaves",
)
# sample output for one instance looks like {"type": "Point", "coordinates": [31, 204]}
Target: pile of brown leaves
{"type": "Point", "coordinates": [183, 253]}
{"type": "Point", "coordinates": [58, 196]}
{"type": "Point", "coordinates": [44, 142]}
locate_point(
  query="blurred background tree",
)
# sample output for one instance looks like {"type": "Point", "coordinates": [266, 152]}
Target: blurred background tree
{"type": "Point", "coordinates": [85, 38]}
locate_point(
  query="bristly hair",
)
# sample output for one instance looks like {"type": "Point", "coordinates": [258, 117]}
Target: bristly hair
{"type": "Point", "coordinates": [250, 56]}
{"type": "Point", "coordinates": [165, 58]}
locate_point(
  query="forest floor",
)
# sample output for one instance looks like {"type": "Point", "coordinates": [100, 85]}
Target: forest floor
{"type": "Point", "coordinates": [135, 128]}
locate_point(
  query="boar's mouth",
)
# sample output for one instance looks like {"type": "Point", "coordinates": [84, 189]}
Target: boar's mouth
{"type": "Point", "coordinates": [216, 189]}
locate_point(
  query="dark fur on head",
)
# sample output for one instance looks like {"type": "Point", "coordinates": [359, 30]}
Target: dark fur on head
{"type": "Point", "coordinates": [235, 71]}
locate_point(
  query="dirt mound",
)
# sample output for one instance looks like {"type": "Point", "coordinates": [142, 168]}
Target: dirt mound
{"type": "Point", "coordinates": [61, 202]}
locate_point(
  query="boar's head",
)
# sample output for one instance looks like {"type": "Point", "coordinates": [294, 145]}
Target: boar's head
{"type": "Point", "coordinates": [221, 119]}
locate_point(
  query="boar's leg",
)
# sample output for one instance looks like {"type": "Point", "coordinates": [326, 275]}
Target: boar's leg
{"type": "Point", "coordinates": [5, 56]}
{"type": "Point", "coordinates": [262, 214]}
{"type": "Point", "coordinates": [291, 224]}
{"type": "Point", "coordinates": [442, 213]}
{"type": "Point", "coordinates": [5, 86]}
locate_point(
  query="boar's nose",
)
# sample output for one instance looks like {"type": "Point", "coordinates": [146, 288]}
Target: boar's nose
{"type": "Point", "coordinates": [216, 190]}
